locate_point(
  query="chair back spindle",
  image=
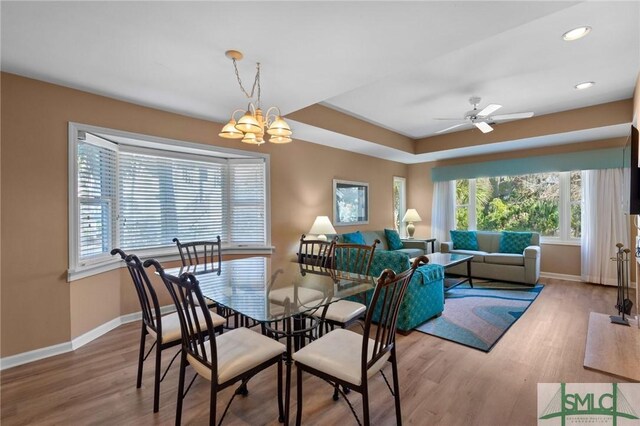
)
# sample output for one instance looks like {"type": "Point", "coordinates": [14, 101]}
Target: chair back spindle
{"type": "Point", "coordinates": [147, 296]}
{"type": "Point", "coordinates": [192, 309]}
{"type": "Point", "coordinates": [314, 252]}
{"type": "Point", "coordinates": [354, 258]}
{"type": "Point", "coordinates": [388, 294]}
{"type": "Point", "coordinates": [199, 252]}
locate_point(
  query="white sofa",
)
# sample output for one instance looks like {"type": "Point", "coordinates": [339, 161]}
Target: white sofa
{"type": "Point", "coordinates": [489, 263]}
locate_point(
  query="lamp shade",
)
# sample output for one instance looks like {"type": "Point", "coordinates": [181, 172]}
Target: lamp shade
{"type": "Point", "coordinates": [229, 131]}
{"type": "Point", "coordinates": [248, 124]}
{"type": "Point", "coordinates": [279, 139]}
{"type": "Point", "coordinates": [279, 127]}
{"type": "Point", "coordinates": [411, 216]}
{"type": "Point", "coordinates": [322, 225]}
{"type": "Point", "coordinates": [250, 138]}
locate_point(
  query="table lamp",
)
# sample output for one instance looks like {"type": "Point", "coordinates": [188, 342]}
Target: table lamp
{"type": "Point", "coordinates": [322, 226]}
{"type": "Point", "coordinates": [411, 216]}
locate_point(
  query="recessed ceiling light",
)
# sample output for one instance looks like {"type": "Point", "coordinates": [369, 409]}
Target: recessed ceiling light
{"type": "Point", "coordinates": [585, 85]}
{"type": "Point", "coordinates": [576, 33]}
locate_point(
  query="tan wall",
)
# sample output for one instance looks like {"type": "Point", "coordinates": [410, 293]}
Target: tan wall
{"type": "Point", "coordinates": [39, 308]}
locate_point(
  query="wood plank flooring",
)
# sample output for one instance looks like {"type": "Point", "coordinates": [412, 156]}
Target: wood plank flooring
{"type": "Point", "coordinates": [442, 383]}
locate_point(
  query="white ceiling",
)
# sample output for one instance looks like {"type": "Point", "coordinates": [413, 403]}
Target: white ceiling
{"type": "Point", "coordinates": [526, 68]}
{"type": "Point", "coordinates": [394, 64]}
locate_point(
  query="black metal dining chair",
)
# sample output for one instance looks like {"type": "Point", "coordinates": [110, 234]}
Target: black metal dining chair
{"type": "Point", "coordinates": [200, 252]}
{"type": "Point", "coordinates": [354, 258]}
{"type": "Point", "coordinates": [165, 329]}
{"type": "Point", "coordinates": [235, 356]}
{"type": "Point", "coordinates": [315, 252]}
{"type": "Point", "coordinates": [344, 357]}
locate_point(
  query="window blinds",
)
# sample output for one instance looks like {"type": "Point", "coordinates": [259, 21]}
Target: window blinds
{"type": "Point", "coordinates": [96, 184]}
{"type": "Point", "coordinates": [136, 199]}
{"type": "Point", "coordinates": [247, 201]}
{"type": "Point", "coordinates": [162, 198]}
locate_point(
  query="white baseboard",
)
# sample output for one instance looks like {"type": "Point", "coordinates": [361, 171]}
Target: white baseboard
{"type": "Point", "coordinates": [578, 278]}
{"type": "Point", "coordinates": [34, 355]}
{"type": "Point", "coordinates": [566, 277]}
{"type": "Point", "coordinates": [49, 351]}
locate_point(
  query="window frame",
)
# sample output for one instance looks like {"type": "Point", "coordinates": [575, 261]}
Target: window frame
{"type": "Point", "coordinates": [403, 202]}
{"type": "Point", "coordinates": [148, 143]}
{"type": "Point", "coordinates": [564, 210]}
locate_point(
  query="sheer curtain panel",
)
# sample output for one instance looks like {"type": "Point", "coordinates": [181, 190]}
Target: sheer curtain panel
{"type": "Point", "coordinates": [444, 210]}
{"type": "Point", "coordinates": [604, 224]}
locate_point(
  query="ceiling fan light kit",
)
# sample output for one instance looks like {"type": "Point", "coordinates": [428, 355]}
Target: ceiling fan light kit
{"type": "Point", "coordinates": [250, 128]}
{"type": "Point", "coordinates": [482, 119]}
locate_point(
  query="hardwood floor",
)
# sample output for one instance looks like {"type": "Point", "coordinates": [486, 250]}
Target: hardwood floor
{"type": "Point", "coordinates": [442, 383]}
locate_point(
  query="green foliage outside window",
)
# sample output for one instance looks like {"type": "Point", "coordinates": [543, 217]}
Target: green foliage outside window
{"type": "Point", "coordinates": [519, 203]}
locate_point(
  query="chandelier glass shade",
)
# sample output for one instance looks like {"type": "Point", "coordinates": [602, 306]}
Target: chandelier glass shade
{"type": "Point", "coordinates": [252, 125]}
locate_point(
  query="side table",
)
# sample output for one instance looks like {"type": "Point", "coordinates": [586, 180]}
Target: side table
{"type": "Point", "coordinates": [425, 241]}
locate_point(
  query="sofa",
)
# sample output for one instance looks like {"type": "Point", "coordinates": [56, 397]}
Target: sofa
{"type": "Point", "coordinates": [411, 248]}
{"type": "Point", "coordinates": [489, 262]}
{"type": "Point", "coordinates": [424, 298]}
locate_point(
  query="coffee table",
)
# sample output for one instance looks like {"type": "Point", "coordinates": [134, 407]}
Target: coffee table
{"type": "Point", "coordinates": [447, 260]}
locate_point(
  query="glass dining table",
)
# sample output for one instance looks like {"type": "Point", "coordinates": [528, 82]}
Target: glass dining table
{"type": "Point", "coordinates": [281, 296]}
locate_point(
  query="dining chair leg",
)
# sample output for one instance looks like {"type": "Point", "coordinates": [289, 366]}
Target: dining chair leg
{"type": "Point", "coordinates": [280, 406]}
{"type": "Point", "coordinates": [183, 362]}
{"type": "Point", "coordinates": [143, 334]}
{"type": "Point", "coordinates": [156, 386]}
{"type": "Point", "coordinates": [299, 396]}
{"type": "Point", "coordinates": [396, 385]}
{"type": "Point", "coordinates": [213, 399]}
{"type": "Point", "coordinates": [365, 404]}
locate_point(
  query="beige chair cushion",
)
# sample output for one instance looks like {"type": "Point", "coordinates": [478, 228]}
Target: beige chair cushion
{"type": "Point", "coordinates": [239, 350]}
{"type": "Point", "coordinates": [297, 296]}
{"type": "Point", "coordinates": [342, 311]}
{"type": "Point", "coordinates": [171, 326]}
{"type": "Point", "coordinates": [339, 354]}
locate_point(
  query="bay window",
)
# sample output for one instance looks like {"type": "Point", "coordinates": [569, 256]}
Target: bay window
{"type": "Point", "coordinates": [140, 193]}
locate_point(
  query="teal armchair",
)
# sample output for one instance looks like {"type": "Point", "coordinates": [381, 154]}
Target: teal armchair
{"type": "Point", "coordinates": [424, 298]}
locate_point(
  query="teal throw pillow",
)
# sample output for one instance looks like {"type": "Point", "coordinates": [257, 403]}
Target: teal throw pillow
{"type": "Point", "coordinates": [353, 238]}
{"type": "Point", "coordinates": [464, 240]}
{"type": "Point", "coordinates": [393, 239]}
{"type": "Point", "coordinates": [514, 242]}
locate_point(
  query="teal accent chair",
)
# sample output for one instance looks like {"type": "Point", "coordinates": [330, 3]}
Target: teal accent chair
{"type": "Point", "coordinates": [424, 298]}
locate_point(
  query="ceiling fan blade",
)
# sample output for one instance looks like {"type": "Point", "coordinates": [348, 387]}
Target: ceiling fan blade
{"type": "Point", "coordinates": [514, 116]}
{"type": "Point", "coordinates": [488, 110]}
{"type": "Point", "coordinates": [447, 119]}
{"type": "Point", "coordinates": [451, 128]}
{"type": "Point", "coordinates": [484, 127]}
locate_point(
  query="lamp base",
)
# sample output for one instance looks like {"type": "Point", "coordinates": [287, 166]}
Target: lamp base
{"type": "Point", "coordinates": [410, 229]}
{"type": "Point", "coordinates": [322, 237]}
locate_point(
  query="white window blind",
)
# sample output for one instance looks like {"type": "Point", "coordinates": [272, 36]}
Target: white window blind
{"type": "Point", "coordinates": [162, 198]}
{"type": "Point", "coordinates": [139, 198]}
{"type": "Point", "coordinates": [96, 185]}
{"type": "Point", "coordinates": [247, 201]}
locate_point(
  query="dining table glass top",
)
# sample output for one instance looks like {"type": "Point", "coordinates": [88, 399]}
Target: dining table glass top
{"type": "Point", "coordinates": [265, 290]}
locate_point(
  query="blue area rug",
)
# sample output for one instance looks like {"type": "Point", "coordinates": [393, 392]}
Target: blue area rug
{"type": "Point", "coordinates": [478, 317]}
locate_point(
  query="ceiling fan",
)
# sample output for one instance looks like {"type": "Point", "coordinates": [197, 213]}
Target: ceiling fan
{"type": "Point", "coordinates": [483, 119]}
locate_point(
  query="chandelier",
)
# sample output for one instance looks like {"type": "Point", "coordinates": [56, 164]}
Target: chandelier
{"type": "Point", "coordinates": [251, 126]}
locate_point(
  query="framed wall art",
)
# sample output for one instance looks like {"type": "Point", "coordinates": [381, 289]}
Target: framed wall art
{"type": "Point", "coordinates": [350, 203]}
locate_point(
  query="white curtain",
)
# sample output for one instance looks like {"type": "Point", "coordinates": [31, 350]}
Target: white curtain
{"type": "Point", "coordinates": [443, 211]}
{"type": "Point", "coordinates": [604, 224]}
